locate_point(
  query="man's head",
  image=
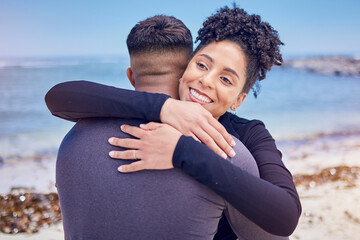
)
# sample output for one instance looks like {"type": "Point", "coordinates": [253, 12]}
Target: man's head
{"type": "Point", "coordinates": [159, 48]}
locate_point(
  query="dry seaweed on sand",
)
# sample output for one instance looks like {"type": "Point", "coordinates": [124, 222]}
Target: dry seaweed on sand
{"type": "Point", "coordinates": [340, 173]}
{"type": "Point", "coordinates": [24, 211]}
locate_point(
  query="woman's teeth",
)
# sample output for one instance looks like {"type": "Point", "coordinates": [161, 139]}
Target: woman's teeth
{"type": "Point", "coordinates": [199, 96]}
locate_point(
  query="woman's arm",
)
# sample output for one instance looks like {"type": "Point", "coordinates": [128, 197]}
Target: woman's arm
{"type": "Point", "coordinates": [276, 192]}
{"type": "Point", "coordinates": [273, 205]}
{"type": "Point", "coordinates": [82, 99]}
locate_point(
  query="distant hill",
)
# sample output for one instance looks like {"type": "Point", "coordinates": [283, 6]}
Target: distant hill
{"type": "Point", "coordinates": [335, 65]}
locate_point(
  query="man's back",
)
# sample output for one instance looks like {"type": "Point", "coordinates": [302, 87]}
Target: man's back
{"type": "Point", "coordinates": [98, 202]}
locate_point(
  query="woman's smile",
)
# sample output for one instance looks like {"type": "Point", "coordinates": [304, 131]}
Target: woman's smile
{"type": "Point", "coordinates": [199, 97]}
{"type": "Point", "coordinates": [215, 77]}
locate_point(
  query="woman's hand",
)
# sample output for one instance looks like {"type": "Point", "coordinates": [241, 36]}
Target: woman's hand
{"type": "Point", "coordinates": [191, 119]}
{"type": "Point", "coordinates": [154, 147]}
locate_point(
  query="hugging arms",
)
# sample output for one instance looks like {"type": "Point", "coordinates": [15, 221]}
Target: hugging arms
{"type": "Point", "coordinates": [270, 201]}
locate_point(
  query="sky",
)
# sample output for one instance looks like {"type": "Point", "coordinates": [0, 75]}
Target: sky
{"type": "Point", "coordinates": [89, 28]}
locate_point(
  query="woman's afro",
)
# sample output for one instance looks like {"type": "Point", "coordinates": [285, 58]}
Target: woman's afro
{"type": "Point", "coordinates": [259, 41]}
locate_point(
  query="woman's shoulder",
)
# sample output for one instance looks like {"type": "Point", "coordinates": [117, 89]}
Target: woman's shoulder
{"type": "Point", "coordinates": [238, 122]}
{"type": "Point", "coordinates": [247, 130]}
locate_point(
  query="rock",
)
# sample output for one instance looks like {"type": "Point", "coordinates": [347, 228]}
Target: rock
{"type": "Point", "coordinates": [336, 65]}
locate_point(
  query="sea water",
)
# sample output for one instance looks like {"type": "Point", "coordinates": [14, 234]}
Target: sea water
{"type": "Point", "coordinates": [291, 103]}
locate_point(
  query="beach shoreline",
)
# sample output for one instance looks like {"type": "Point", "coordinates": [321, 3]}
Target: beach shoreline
{"type": "Point", "coordinates": [325, 167]}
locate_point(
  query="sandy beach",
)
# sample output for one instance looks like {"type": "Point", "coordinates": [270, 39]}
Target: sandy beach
{"type": "Point", "coordinates": [326, 169]}
{"type": "Point", "coordinates": [330, 195]}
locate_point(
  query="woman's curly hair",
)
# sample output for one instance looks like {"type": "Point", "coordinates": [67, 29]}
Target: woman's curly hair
{"type": "Point", "coordinates": [259, 41]}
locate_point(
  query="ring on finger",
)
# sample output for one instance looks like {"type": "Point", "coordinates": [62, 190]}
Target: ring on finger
{"type": "Point", "coordinates": [134, 154]}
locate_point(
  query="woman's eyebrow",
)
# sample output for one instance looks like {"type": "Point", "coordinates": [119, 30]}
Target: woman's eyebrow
{"type": "Point", "coordinates": [207, 56]}
{"type": "Point", "coordinates": [225, 69]}
{"type": "Point", "coordinates": [231, 71]}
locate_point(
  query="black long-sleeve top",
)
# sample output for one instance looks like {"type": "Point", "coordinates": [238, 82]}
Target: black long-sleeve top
{"type": "Point", "coordinates": [270, 201]}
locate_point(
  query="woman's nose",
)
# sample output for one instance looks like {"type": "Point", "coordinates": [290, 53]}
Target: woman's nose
{"type": "Point", "coordinates": [207, 80]}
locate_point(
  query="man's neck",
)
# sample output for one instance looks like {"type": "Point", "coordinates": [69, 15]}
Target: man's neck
{"type": "Point", "coordinates": [159, 84]}
{"type": "Point", "coordinates": [170, 92]}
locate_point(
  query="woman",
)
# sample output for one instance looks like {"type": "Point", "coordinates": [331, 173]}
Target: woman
{"type": "Point", "coordinates": [235, 51]}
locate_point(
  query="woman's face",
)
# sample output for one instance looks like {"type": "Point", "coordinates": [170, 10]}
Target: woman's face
{"type": "Point", "coordinates": [215, 77]}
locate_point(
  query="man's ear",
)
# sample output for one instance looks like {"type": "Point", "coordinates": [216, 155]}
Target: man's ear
{"type": "Point", "coordinates": [239, 100]}
{"type": "Point", "coordinates": [130, 76]}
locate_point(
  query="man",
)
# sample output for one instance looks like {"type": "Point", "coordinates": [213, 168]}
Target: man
{"type": "Point", "coordinates": [97, 201]}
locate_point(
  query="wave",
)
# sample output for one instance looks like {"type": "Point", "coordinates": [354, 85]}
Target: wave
{"type": "Point", "coordinates": [49, 62]}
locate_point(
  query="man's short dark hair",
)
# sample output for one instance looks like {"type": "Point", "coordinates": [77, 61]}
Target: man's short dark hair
{"type": "Point", "coordinates": [159, 33]}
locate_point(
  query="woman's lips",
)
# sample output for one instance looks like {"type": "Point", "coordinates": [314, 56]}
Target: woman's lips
{"type": "Point", "coordinates": [198, 97]}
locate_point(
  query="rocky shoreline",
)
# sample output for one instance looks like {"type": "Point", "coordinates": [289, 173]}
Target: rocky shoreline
{"type": "Point", "coordinates": [334, 65]}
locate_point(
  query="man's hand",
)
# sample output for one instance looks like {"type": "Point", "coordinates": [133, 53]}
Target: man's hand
{"type": "Point", "coordinates": [154, 148]}
{"type": "Point", "coordinates": [191, 119]}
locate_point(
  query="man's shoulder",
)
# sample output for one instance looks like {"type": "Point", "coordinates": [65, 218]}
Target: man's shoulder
{"type": "Point", "coordinates": [90, 133]}
{"type": "Point", "coordinates": [108, 121]}
{"type": "Point", "coordinates": [104, 124]}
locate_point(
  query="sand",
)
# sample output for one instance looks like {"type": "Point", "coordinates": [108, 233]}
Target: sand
{"type": "Point", "coordinates": [331, 210]}
{"type": "Point", "coordinates": [54, 232]}
{"type": "Point", "coordinates": [330, 201]}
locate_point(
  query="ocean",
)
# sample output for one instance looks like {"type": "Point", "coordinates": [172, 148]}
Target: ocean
{"type": "Point", "coordinates": [291, 103]}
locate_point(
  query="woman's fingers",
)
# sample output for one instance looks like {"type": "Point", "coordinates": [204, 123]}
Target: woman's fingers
{"type": "Point", "coordinates": [125, 142]}
{"type": "Point", "coordinates": [221, 129]}
{"type": "Point", "coordinates": [125, 155]}
{"type": "Point", "coordinates": [210, 134]}
{"type": "Point", "coordinates": [163, 139]}
{"type": "Point", "coordinates": [208, 141]}
{"type": "Point", "coordinates": [192, 119]}
{"type": "Point", "coordinates": [195, 137]}
{"type": "Point", "coordinates": [132, 167]}
{"type": "Point", "coordinates": [134, 131]}
{"type": "Point", "coordinates": [150, 126]}
{"type": "Point", "coordinates": [221, 143]}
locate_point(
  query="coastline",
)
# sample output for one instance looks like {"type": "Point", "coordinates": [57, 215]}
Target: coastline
{"type": "Point", "coordinates": [333, 65]}
{"type": "Point", "coordinates": [325, 167]}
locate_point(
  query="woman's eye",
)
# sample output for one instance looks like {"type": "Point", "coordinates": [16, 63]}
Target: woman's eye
{"type": "Point", "coordinates": [226, 80]}
{"type": "Point", "coordinates": [202, 66]}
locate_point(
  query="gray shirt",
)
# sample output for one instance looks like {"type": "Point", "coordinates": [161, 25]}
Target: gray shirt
{"type": "Point", "coordinates": [98, 202]}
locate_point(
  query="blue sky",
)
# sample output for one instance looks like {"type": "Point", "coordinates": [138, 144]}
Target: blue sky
{"type": "Point", "coordinates": [79, 27]}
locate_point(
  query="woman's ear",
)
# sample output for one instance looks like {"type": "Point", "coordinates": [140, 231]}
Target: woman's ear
{"type": "Point", "coordinates": [239, 100]}
{"type": "Point", "coordinates": [130, 76]}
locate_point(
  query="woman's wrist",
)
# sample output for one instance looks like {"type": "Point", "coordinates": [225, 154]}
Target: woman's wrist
{"type": "Point", "coordinates": [166, 107]}
{"type": "Point", "coordinates": [176, 159]}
